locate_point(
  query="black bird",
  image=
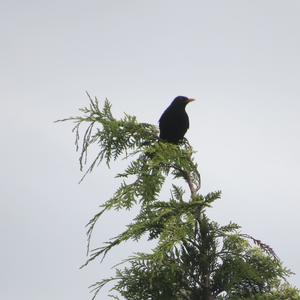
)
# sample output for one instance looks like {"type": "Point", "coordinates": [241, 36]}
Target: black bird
{"type": "Point", "coordinates": [174, 122]}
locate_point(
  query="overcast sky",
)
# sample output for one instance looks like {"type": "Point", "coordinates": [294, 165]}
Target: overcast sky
{"type": "Point", "coordinates": [239, 59]}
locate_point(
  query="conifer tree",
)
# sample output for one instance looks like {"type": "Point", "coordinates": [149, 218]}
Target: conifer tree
{"type": "Point", "coordinates": [195, 257]}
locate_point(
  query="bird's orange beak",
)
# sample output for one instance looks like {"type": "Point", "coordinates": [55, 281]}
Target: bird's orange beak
{"type": "Point", "coordinates": [190, 100]}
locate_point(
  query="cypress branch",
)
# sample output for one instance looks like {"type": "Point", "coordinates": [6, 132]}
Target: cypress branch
{"type": "Point", "coordinates": [195, 257]}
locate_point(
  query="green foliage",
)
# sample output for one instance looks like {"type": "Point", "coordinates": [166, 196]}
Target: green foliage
{"type": "Point", "coordinates": [195, 257]}
{"type": "Point", "coordinates": [283, 292]}
{"type": "Point", "coordinates": [113, 139]}
{"type": "Point", "coordinates": [220, 255]}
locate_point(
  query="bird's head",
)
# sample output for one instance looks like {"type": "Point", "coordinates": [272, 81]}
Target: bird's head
{"type": "Point", "coordinates": [182, 101]}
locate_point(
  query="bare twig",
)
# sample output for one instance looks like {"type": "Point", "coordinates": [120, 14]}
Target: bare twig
{"type": "Point", "coordinates": [266, 248]}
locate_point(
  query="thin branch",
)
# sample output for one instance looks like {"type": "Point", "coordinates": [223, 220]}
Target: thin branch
{"type": "Point", "coordinates": [266, 248]}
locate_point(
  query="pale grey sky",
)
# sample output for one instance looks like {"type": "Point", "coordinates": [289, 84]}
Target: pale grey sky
{"type": "Point", "coordinates": [239, 58]}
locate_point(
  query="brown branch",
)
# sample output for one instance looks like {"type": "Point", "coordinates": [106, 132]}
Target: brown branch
{"type": "Point", "coordinates": [194, 187]}
{"type": "Point", "coordinates": [266, 248]}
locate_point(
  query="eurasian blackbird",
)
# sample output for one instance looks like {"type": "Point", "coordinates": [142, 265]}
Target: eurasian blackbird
{"type": "Point", "coordinates": [174, 122]}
